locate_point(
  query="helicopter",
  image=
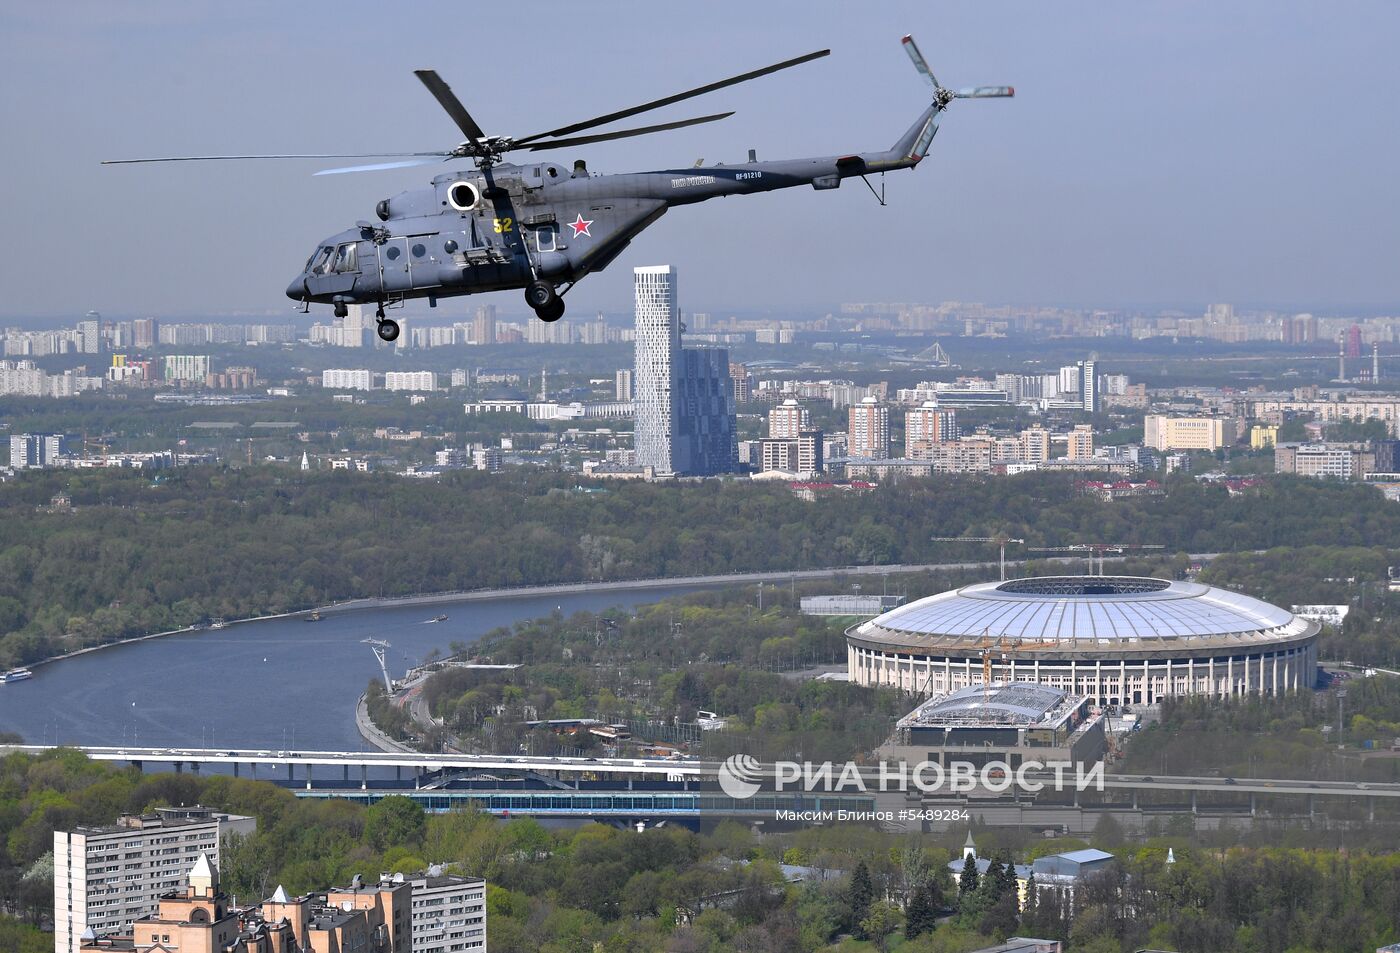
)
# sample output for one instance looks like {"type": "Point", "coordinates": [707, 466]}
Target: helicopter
{"type": "Point", "coordinates": [543, 227]}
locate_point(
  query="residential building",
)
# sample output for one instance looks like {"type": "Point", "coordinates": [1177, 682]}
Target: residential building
{"type": "Point", "coordinates": [410, 380]}
{"type": "Point", "coordinates": [658, 343]}
{"type": "Point", "coordinates": [1262, 436]}
{"type": "Point", "coordinates": [487, 459]}
{"type": "Point", "coordinates": [1088, 386]}
{"type": "Point", "coordinates": [926, 426]}
{"type": "Point", "coordinates": [1035, 445]}
{"type": "Point", "coordinates": [788, 419]}
{"type": "Point", "coordinates": [705, 437]}
{"type": "Point", "coordinates": [106, 878]}
{"type": "Point", "coordinates": [684, 400]}
{"type": "Point", "coordinates": [448, 913]}
{"type": "Point", "coordinates": [192, 368]}
{"type": "Point", "coordinates": [1163, 432]}
{"type": "Point", "coordinates": [90, 333]}
{"type": "Point", "coordinates": [622, 387]}
{"type": "Point", "coordinates": [743, 383]}
{"type": "Point", "coordinates": [484, 324]}
{"type": "Point", "coordinates": [35, 451]}
{"type": "Point", "coordinates": [340, 378]}
{"type": "Point", "coordinates": [868, 430]}
{"type": "Point", "coordinates": [144, 333]}
{"type": "Point", "coordinates": [801, 454]}
{"type": "Point", "coordinates": [1081, 442]}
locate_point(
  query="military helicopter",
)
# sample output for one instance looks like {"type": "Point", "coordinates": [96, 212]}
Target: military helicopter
{"type": "Point", "coordinates": [542, 227]}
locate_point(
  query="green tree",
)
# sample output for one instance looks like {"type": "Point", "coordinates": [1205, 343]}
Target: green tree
{"type": "Point", "coordinates": [860, 894]}
{"type": "Point", "coordinates": [921, 914]}
{"type": "Point", "coordinates": [394, 821]}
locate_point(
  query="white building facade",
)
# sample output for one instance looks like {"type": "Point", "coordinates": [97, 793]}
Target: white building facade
{"type": "Point", "coordinates": [448, 914]}
{"type": "Point", "coordinates": [105, 878]}
{"type": "Point", "coordinates": [658, 345]}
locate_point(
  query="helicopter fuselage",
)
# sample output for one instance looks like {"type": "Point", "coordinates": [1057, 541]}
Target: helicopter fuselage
{"type": "Point", "coordinates": [505, 226]}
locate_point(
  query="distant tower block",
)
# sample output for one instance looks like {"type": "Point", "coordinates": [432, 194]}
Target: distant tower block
{"type": "Point", "coordinates": [1375, 362]}
{"type": "Point", "coordinates": [1341, 359]}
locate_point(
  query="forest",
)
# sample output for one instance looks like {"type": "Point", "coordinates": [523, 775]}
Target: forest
{"type": "Point", "coordinates": [599, 888]}
{"type": "Point", "coordinates": [656, 668]}
{"type": "Point", "coordinates": [192, 544]}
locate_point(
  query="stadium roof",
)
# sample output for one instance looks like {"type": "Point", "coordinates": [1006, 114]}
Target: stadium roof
{"type": "Point", "coordinates": [1082, 608]}
{"type": "Point", "coordinates": [1017, 703]}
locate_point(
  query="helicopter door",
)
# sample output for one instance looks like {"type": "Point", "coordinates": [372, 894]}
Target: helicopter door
{"type": "Point", "coordinates": [396, 265]}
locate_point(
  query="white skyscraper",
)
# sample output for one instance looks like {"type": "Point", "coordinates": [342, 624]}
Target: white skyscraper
{"type": "Point", "coordinates": [658, 345]}
{"type": "Point", "coordinates": [1088, 386]}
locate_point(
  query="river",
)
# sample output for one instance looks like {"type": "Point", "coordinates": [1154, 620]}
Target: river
{"type": "Point", "coordinates": [277, 683]}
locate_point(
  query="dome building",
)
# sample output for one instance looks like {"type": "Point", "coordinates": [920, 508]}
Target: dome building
{"type": "Point", "coordinates": [1116, 639]}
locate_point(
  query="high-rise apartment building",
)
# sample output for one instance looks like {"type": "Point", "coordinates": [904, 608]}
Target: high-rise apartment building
{"type": "Point", "coordinates": [341, 378]}
{"type": "Point", "coordinates": [90, 333]}
{"type": "Point", "coordinates": [187, 367]}
{"type": "Point", "coordinates": [448, 913]}
{"type": "Point", "coordinates": [484, 324]}
{"type": "Point", "coordinates": [1035, 445]}
{"type": "Point", "coordinates": [788, 419]}
{"type": "Point", "coordinates": [1081, 442]}
{"type": "Point", "coordinates": [409, 380]}
{"type": "Point", "coordinates": [684, 401]}
{"type": "Point", "coordinates": [658, 343]}
{"type": "Point", "coordinates": [868, 429]}
{"type": "Point", "coordinates": [1088, 386]}
{"type": "Point", "coordinates": [622, 387]}
{"type": "Point", "coordinates": [35, 451]}
{"type": "Point", "coordinates": [106, 878]}
{"type": "Point", "coordinates": [742, 381]}
{"type": "Point", "coordinates": [144, 333]}
{"type": "Point", "coordinates": [705, 441]}
{"type": "Point", "coordinates": [928, 425]}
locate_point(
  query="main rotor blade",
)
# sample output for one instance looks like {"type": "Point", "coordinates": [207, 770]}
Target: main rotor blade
{"type": "Point", "coordinates": [623, 133]}
{"type": "Point", "coordinates": [920, 63]}
{"type": "Point", "coordinates": [299, 155]}
{"type": "Point", "coordinates": [374, 167]}
{"type": "Point", "coordinates": [985, 92]}
{"type": "Point", "coordinates": [449, 101]}
{"type": "Point", "coordinates": [658, 103]}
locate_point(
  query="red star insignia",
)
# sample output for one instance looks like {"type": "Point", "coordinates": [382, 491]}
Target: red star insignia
{"type": "Point", "coordinates": [580, 226]}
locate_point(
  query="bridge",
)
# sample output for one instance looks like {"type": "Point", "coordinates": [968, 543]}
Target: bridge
{"type": "Point", "coordinates": [432, 771]}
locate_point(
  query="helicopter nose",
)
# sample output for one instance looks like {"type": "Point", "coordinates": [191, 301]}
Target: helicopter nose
{"type": "Point", "coordinates": [297, 289]}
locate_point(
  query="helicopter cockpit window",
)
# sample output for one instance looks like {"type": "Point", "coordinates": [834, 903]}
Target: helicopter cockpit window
{"type": "Point", "coordinates": [319, 263]}
{"type": "Point", "coordinates": [345, 258]}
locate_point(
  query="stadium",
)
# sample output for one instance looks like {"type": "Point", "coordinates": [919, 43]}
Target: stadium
{"type": "Point", "coordinates": [1116, 639]}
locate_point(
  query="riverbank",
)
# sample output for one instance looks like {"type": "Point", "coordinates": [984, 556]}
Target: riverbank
{"type": "Point", "coordinates": [523, 592]}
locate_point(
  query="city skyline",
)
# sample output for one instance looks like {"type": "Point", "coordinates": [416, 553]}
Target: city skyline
{"type": "Point", "coordinates": [1139, 165]}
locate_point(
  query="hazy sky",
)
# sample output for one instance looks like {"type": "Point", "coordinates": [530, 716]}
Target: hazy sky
{"type": "Point", "coordinates": [1156, 154]}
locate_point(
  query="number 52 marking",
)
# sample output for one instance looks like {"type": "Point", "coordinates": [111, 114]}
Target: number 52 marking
{"type": "Point", "coordinates": [505, 225]}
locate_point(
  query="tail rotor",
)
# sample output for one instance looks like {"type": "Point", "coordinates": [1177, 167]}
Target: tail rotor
{"type": "Point", "coordinates": [944, 96]}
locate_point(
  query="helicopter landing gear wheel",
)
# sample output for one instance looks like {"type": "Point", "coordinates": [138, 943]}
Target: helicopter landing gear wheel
{"type": "Point", "coordinates": [552, 311]}
{"type": "Point", "coordinates": [388, 329]}
{"type": "Point", "coordinates": [540, 294]}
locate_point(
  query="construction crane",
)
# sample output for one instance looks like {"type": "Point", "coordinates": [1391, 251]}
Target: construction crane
{"type": "Point", "coordinates": [1096, 549]}
{"type": "Point", "coordinates": [379, 647]}
{"type": "Point", "coordinates": [989, 649]}
{"type": "Point", "coordinates": [1000, 541]}
{"type": "Point", "coordinates": [1003, 648]}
